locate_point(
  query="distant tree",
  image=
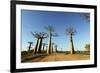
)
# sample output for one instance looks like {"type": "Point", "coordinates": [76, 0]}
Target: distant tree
{"type": "Point", "coordinates": [56, 48]}
{"type": "Point", "coordinates": [87, 46]}
{"type": "Point", "coordinates": [44, 44]}
{"type": "Point", "coordinates": [30, 45]}
{"type": "Point", "coordinates": [71, 31]}
{"type": "Point", "coordinates": [52, 47]}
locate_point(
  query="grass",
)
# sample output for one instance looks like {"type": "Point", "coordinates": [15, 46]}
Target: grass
{"type": "Point", "coordinates": [26, 56]}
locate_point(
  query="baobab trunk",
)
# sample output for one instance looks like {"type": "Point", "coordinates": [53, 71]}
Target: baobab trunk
{"type": "Point", "coordinates": [43, 47]}
{"type": "Point", "coordinates": [49, 44]}
{"type": "Point", "coordinates": [36, 46]}
{"type": "Point", "coordinates": [40, 45]}
{"type": "Point", "coordinates": [52, 48]}
{"type": "Point", "coordinates": [46, 49]}
{"type": "Point", "coordinates": [56, 48]}
{"type": "Point", "coordinates": [71, 44]}
{"type": "Point", "coordinates": [29, 47]}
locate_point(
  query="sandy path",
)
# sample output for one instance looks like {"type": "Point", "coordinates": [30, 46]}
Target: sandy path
{"type": "Point", "coordinates": [61, 57]}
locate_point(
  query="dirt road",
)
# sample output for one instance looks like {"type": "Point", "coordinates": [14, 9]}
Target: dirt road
{"type": "Point", "coordinates": [61, 57]}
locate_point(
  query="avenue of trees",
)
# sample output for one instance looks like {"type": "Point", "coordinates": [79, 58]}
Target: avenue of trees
{"type": "Point", "coordinates": [51, 47]}
{"type": "Point", "coordinates": [39, 45]}
{"type": "Point", "coordinates": [44, 44]}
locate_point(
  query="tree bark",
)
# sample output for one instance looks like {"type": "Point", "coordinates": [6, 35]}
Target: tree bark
{"type": "Point", "coordinates": [56, 48]}
{"type": "Point", "coordinates": [52, 49]}
{"type": "Point", "coordinates": [43, 47]}
{"type": "Point", "coordinates": [49, 44]}
{"type": "Point", "coordinates": [36, 46]}
{"type": "Point", "coordinates": [71, 44]}
{"type": "Point", "coordinates": [29, 47]}
{"type": "Point", "coordinates": [40, 45]}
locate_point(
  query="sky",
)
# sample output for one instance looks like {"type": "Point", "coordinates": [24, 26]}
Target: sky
{"type": "Point", "coordinates": [35, 21]}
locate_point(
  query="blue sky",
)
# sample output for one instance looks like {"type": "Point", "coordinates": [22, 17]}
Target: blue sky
{"type": "Point", "coordinates": [35, 21]}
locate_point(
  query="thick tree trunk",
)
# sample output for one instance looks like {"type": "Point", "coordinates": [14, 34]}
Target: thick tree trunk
{"type": "Point", "coordinates": [40, 45]}
{"type": "Point", "coordinates": [46, 49]}
{"type": "Point", "coordinates": [71, 44]}
{"type": "Point", "coordinates": [49, 44]}
{"type": "Point", "coordinates": [36, 46]}
{"type": "Point", "coordinates": [29, 48]}
{"type": "Point", "coordinates": [56, 48]}
{"type": "Point", "coordinates": [52, 48]}
{"type": "Point", "coordinates": [43, 47]}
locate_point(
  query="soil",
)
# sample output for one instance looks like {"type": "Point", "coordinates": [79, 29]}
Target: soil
{"type": "Point", "coordinates": [61, 57]}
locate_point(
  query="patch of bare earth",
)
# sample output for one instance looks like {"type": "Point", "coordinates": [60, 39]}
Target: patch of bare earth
{"type": "Point", "coordinates": [61, 57]}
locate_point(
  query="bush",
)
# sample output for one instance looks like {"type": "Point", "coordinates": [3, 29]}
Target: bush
{"type": "Point", "coordinates": [23, 53]}
{"type": "Point", "coordinates": [87, 46]}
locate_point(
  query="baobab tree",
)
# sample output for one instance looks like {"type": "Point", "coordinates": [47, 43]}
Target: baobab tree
{"type": "Point", "coordinates": [42, 35]}
{"type": "Point", "coordinates": [49, 29]}
{"type": "Point", "coordinates": [56, 48]}
{"type": "Point", "coordinates": [37, 36]}
{"type": "Point", "coordinates": [44, 44]}
{"type": "Point", "coordinates": [30, 46]}
{"type": "Point", "coordinates": [52, 47]}
{"type": "Point", "coordinates": [46, 48]}
{"type": "Point", "coordinates": [71, 31]}
{"type": "Point", "coordinates": [50, 32]}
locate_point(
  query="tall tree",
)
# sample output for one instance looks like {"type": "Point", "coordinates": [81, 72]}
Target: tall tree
{"type": "Point", "coordinates": [50, 30]}
{"type": "Point", "coordinates": [42, 36]}
{"type": "Point", "coordinates": [52, 47]}
{"type": "Point", "coordinates": [50, 33]}
{"type": "Point", "coordinates": [71, 31]}
{"type": "Point", "coordinates": [37, 36]}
